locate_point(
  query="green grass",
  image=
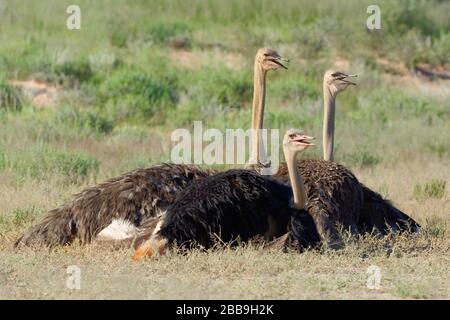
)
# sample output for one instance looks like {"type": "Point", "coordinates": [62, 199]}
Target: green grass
{"type": "Point", "coordinates": [11, 99]}
{"type": "Point", "coordinates": [42, 162]}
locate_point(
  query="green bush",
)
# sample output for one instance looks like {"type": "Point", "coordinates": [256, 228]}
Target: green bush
{"type": "Point", "coordinates": [11, 98]}
{"type": "Point", "coordinates": [220, 86]}
{"type": "Point", "coordinates": [434, 188]}
{"type": "Point", "coordinates": [161, 32]}
{"type": "Point", "coordinates": [411, 14]}
{"type": "Point", "coordinates": [78, 70]}
{"type": "Point", "coordinates": [26, 57]}
{"type": "Point", "coordinates": [138, 94]}
{"type": "Point", "coordinates": [297, 89]}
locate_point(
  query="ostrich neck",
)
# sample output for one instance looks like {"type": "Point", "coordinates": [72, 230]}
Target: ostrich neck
{"type": "Point", "coordinates": [329, 101]}
{"type": "Point", "coordinates": [259, 96]}
{"type": "Point", "coordinates": [297, 184]}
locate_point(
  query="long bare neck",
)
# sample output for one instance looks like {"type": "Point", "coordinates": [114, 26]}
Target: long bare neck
{"type": "Point", "coordinates": [297, 184]}
{"type": "Point", "coordinates": [259, 96]}
{"type": "Point", "coordinates": [329, 101]}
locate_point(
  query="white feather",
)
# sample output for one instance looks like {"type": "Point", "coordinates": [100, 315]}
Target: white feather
{"type": "Point", "coordinates": [119, 229]}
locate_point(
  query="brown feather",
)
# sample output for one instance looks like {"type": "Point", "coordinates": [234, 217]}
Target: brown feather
{"type": "Point", "coordinates": [134, 196]}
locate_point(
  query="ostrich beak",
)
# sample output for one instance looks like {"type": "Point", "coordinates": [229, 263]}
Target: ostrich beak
{"type": "Point", "coordinates": [344, 79]}
{"type": "Point", "coordinates": [279, 61]}
{"type": "Point", "coordinates": [304, 140]}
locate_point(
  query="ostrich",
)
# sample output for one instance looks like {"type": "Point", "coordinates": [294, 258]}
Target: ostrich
{"type": "Point", "coordinates": [376, 212]}
{"type": "Point", "coordinates": [237, 204]}
{"type": "Point", "coordinates": [335, 196]}
{"type": "Point", "coordinates": [116, 208]}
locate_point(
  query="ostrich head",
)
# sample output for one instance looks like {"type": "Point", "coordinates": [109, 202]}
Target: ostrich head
{"type": "Point", "coordinates": [269, 59]}
{"type": "Point", "coordinates": [295, 140]}
{"type": "Point", "coordinates": [336, 81]}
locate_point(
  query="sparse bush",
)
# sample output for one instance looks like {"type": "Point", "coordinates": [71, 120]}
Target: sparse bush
{"type": "Point", "coordinates": [77, 70]}
{"type": "Point", "coordinates": [119, 37]}
{"type": "Point", "coordinates": [88, 121]}
{"type": "Point", "coordinates": [439, 148]}
{"type": "Point", "coordinates": [21, 216]}
{"type": "Point", "coordinates": [434, 188]}
{"type": "Point", "coordinates": [11, 98]}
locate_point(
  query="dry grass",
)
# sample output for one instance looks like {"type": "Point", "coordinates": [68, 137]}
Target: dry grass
{"type": "Point", "coordinates": [412, 267]}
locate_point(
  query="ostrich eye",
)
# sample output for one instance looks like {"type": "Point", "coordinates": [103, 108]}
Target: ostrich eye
{"type": "Point", "coordinates": [335, 74]}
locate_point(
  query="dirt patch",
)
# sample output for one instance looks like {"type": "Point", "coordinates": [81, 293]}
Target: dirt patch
{"type": "Point", "coordinates": [392, 67]}
{"type": "Point", "coordinates": [41, 94]}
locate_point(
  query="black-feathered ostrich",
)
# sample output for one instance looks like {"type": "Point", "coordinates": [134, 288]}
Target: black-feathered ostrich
{"type": "Point", "coordinates": [238, 204]}
{"type": "Point", "coordinates": [335, 196]}
{"type": "Point", "coordinates": [117, 208]}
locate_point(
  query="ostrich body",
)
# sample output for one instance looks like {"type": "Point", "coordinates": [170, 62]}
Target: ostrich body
{"type": "Point", "coordinates": [126, 202]}
{"type": "Point", "coordinates": [131, 198]}
{"type": "Point", "coordinates": [237, 204]}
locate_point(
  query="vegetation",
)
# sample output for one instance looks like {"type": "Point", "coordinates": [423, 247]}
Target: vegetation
{"type": "Point", "coordinates": [108, 96]}
{"type": "Point", "coordinates": [432, 189]}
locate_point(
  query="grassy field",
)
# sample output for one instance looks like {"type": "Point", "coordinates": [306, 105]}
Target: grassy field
{"type": "Point", "coordinates": [80, 106]}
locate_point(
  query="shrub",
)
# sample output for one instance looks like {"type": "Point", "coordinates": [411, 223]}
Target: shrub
{"type": "Point", "coordinates": [87, 121]}
{"type": "Point", "coordinates": [220, 86]}
{"type": "Point", "coordinates": [162, 32]}
{"type": "Point", "coordinates": [410, 15]}
{"type": "Point", "coordinates": [22, 216]}
{"type": "Point", "coordinates": [78, 70]}
{"type": "Point", "coordinates": [137, 94]}
{"type": "Point", "coordinates": [439, 148]}
{"type": "Point", "coordinates": [11, 98]}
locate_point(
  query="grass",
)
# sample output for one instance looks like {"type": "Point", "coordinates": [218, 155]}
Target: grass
{"type": "Point", "coordinates": [135, 72]}
{"type": "Point", "coordinates": [415, 269]}
{"type": "Point", "coordinates": [432, 189]}
{"type": "Point", "coordinates": [11, 99]}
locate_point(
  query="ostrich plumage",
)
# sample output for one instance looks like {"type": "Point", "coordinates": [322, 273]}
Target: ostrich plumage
{"type": "Point", "coordinates": [337, 198]}
{"type": "Point", "coordinates": [134, 197]}
{"type": "Point", "coordinates": [333, 193]}
{"type": "Point", "coordinates": [235, 204]}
